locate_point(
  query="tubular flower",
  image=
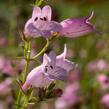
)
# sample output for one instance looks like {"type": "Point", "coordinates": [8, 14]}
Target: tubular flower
{"type": "Point", "coordinates": [75, 27]}
{"type": "Point", "coordinates": [51, 69]}
{"type": "Point", "coordinates": [40, 24]}
{"type": "Point", "coordinates": [43, 75]}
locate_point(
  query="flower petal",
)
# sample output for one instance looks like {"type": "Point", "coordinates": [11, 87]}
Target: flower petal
{"type": "Point", "coordinates": [36, 13]}
{"type": "Point", "coordinates": [63, 55]}
{"type": "Point", "coordinates": [64, 63]}
{"type": "Point", "coordinates": [46, 60]}
{"type": "Point", "coordinates": [46, 12]}
{"type": "Point", "coordinates": [52, 56]}
{"type": "Point", "coordinates": [57, 73]}
{"type": "Point", "coordinates": [51, 28]}
{"type": "Point", "coordinates": [37, 78]}
{"type": "Point", "coordinates": [31, 30]}
{"type": "Point", "coordinates": [77, 27]}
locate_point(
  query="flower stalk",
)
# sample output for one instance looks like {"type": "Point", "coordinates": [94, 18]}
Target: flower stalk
{"type": "Point", "coordinates": [27, 54]}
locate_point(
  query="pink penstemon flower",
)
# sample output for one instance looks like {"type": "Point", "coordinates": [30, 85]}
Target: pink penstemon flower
{"type": "Point", "coordinates": [75, 27]}
{"type": "Point", "coordinates": [40, 24]}
{"type": "Point", "coordinates": [61, 66]}
{"type": "Point", "coordinates": [51, 69]}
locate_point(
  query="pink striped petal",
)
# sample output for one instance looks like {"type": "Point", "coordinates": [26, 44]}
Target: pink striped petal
{"type": "Point", "coordinates": [46, 13]}
{"type": "Point", "coordinates": [77, 27]}
{"type": "Point", "coordinates": [36, 13]}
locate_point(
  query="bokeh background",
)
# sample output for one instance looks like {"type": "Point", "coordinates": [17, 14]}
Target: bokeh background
{"type": "Point", "coordinates": [91, 52]}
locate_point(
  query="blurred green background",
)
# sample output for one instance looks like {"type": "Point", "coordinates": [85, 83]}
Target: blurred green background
{"type": "Point", "coordinates": [82, 50]}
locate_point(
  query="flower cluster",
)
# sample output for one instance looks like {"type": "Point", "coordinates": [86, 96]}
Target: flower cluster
{"type": "Point", "coordinates": [40, 24]}
{"type": "Point", "coordinates": [54, 67]}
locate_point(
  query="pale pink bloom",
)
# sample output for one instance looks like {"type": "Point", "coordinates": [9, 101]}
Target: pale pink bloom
{"type": "Point", "coordinates": [6, 66]}
{"type": "Point", "coordinates": [40, 23]}
{"type": "Point", "coordinates": [103, 81]}
{"type": "Point", "coordinates": [98, 65]}
{"type": "Point", "coordinates": [5, 86]}
{"type": "Point", "coordinates": [69, 97]}
{"type": "Point", "coordinates": [9, 69]}
{"type": "Point", "coordinates": [105, 100]}
{"type": "Point", "coordinates": [101, 65]}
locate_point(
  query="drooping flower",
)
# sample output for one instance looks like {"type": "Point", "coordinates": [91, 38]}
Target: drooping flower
{"type": "Point", "coordinates": [40, 24]}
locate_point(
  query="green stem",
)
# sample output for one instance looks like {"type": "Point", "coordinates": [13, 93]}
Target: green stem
{"type": "Point", "coordinates": [26, 99]}
{"type": "Point", "coordinates": [43, 50]}
{"type": "Point", "coordinates": [38, 3]}
{"type": "Point", "coordinates": [18, 99]}
{"type": "Point", "coordinates": [50, 40]}
{"type": "Point", "coordinates": [27, 61]}
{"type": "Point", "coordinates": [28, 51]}
{"type": "Point", "coordinates": [28, 47]}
